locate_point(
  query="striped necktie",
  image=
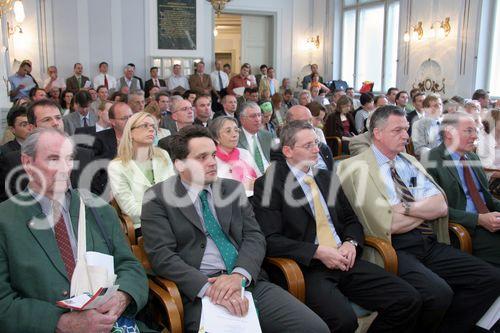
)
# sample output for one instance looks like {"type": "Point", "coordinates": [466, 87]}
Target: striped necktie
{"type": "Point", "coordinates": [62, 239]}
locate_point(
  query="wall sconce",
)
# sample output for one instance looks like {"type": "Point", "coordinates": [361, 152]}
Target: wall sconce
{"type": "Point", "coordinates": [218, 5]}
{"type": "Point", "coordinates": [312, 43]}
{"type": "Point", "coordinates": [19, 15]}
{"type": "Point", "coordinates": [416, 34]}
{"type": "Point", "coordinates": [216, 32]}
{"type": "Point", "coordinates": [441, 29]}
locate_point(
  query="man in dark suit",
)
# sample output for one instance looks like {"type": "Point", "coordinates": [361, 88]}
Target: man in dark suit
{"type": "Point", "coordinates": [33, 230]}
{"type": "Point", "coordinates": [154, 81]}
{"type": "Point", "coordinates": [229, 106]}
{"type": "Point", "coordinates": [325, 158]}
{"type": "Point", "coordinates": [458, 170]}
{"type": "Point", "coordinates": [202, 110]}
{"type": "Point", "coordinates": [18, 124]}
{"type": "Point", "coordinates": [302, 222]}
{"type": "Point", "coordinates": [44, 113]}
{"type": "Point", "coordinates": [200, 232]}
{"type": "Point", "coordinates": [78, 80]}
{"type": "Point", "coordinates": [253, 138]}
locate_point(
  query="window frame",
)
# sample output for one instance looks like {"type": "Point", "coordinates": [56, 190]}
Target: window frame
{"type": "Point", "coordinates": [493, 26]}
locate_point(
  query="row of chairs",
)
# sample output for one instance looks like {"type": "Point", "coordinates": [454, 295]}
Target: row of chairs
{"type": "Point", "coordinates": [166, 303]}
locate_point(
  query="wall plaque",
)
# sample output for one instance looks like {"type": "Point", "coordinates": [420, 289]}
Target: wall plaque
{"type": "Point", "coordinates": [177, 24]}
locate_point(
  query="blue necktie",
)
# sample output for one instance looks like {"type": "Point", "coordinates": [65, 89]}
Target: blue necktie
{"type": "Point", "coordinates": [226, 248]}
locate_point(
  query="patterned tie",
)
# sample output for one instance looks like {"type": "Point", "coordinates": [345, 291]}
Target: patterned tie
{"type": "Point", "coordinates": [105, 80]}
{"type": "Point", "coordinates": [62, 239]}
{"type": "Point", "coordinates": [85, 124]}
{"type": "Point", "coordinates": [226, 248]}
{"type": "Point", "coordinates": [323, 231]}
{"type": "Point", "coordinates": [473, 191]}
{"type": "Point", "coordinates": [256, 154]}
{"type": "Point", "coordinates": [405, 195]}
{"type": "Point", "coordinates": [220, 82]}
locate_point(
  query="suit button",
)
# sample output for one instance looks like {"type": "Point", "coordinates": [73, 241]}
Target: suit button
{"type": "Point", "coordinates": [65, 293]}
{"type": "Point", "coordinates": [202, 245]}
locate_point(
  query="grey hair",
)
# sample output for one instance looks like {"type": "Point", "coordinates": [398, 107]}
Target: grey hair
{"type": "Point", "coordinates": [452, 119]}
{"type": "Point", "coordinates": [379, 117]}
{"type": "Point", "coordinates": [127, 68]}
{"type": "Point", "coordinates": [217, 124]}
{"type": "Point", "coordinates": [305, 92]}
{"type": "Point", "coordinates": [136, 93]}
{"type": "Point", "coordinates": [246, 106]}
{"type": "Point", "coordinates": [29, 146]}
{"type": "Point", "coordinates": [289, 131]}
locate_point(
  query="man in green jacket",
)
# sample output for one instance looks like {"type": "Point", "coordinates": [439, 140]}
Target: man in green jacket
{"type": "Point", "coordinates": [458, 170]}
{"type": "Point", "coordinates": [38, 245]}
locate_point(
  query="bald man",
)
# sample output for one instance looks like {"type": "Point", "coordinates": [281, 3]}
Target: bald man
{"type": "Point", "coordinates": [299, 112]}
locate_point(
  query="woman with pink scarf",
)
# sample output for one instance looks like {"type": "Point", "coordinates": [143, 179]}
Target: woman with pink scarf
{"type": "Point", "coordinates": [233, 162]}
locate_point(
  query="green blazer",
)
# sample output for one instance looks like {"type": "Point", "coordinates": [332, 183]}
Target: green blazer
{"type": "Point", "coordinates": [32, 272]}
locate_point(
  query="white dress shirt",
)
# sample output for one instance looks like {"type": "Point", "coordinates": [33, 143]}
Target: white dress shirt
{"type": "Point", "coordinates": [250, 139]}
{"type": "Point", "coordinates": [58, 83]}
{"type": "Point", "coordinates": [176, 81]}
{"type": "Point", "coordinates": [214, 76]}
{"type": "Point", "coordinates": [99, 81]}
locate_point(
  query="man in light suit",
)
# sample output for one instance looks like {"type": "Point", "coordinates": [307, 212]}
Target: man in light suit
{"type": "Point", "coordinates": [39, 247]}
{"type": "Point", "coordinates": [200, 82]}
{"type": "Point", "coordinates": [78, 80]}
{"type": "Point", "coordinates": [200, 232]}
{"type": "Point", "coordinates": [359, 143]}
{"type": "Point", "coordinates": [128, 82]}
{"type": "Point", "coordinates": [397, 200]}
{"type": "Point", "coordinates": [425, 131]}
{"type": "Point", "coordinates": [254, 139]}
{"type": "Point", "coordinates": [470, 203]}
{"type": "Point", "coordinates": [82, 117]}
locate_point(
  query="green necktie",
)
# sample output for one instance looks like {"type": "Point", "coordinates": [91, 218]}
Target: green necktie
{"type": "Point", "coordinates": [226, 248]}
{"type": "Point", "coordinates": [79, 81]}
{"type": "Point", "coordinates": [256, 154]}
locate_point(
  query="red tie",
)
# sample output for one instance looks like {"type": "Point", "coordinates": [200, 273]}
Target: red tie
{"type": "Point", "coordinates": [473, 192]}
{"type": "Point", "coordinates": [105, 80]}
{"type": "Point", "coordinates": [62, 239]}
{"type": "Point", "coordinates": [157, 83]}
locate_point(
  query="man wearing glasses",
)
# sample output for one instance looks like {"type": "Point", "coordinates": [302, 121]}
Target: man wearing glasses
{"type": "Point", "coordinates": [458, 170]}
{"type": "Point", "coordinates": [305, 216]}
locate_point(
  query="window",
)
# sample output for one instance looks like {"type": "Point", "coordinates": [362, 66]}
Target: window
{"type": "Point", "coordinates": [370, 42]}
{"type": "Point", "coordinates": [494, 74]}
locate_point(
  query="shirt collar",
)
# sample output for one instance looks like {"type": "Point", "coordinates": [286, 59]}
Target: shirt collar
{"type": "Point", "coordinates": [194, 192]}
{"type": "Point", "coordinates": [46, 203]}
{"type": "Point", "coordinates": [299, 174]}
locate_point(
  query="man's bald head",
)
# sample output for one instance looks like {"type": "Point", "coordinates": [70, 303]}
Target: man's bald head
{"type": "Point", "coordinates": [298, 112]}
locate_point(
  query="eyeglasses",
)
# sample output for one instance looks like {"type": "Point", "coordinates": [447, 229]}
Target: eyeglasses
{"type": "Point", "coordinates": [145, 126]}
{"type": "Point", "coordinates": [229, 130]}
{"type": "Point", "coordinates": [255, 115]}
{"type": "Point", "coordinates": [471, 131]}
{"type": "Point", "coordinates": [310, 145]}
{"type": "Point", "coordinates": [186, 108]}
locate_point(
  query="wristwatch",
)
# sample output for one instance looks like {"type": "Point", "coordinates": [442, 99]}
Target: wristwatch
{"type": "Point", "coordinates": [353, 242]}
{"type": "Point", "coordinates": [406, 206]}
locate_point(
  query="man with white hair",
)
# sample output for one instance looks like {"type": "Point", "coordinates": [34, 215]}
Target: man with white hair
{"type": "Point", "coordinates": [129, 80]}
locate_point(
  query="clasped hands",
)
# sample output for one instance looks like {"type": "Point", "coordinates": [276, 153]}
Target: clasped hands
{"type": "Point", "coordinates": [96, 320]}
{"type": "Point", "coordinates": [341, 258]}
{"type": "Point", "coordinates": [225, 290]}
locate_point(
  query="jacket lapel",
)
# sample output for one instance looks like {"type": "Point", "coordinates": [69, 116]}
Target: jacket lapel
{"type": "Point", "coordinates": [185, 205]}
{"type": "Point", "coordinates": [374, 172]}
{"type": "Point", "coordinates": [295, 191]}
{"type": "Point", "coordinates": [243, 141]}
{"type": "Point", "coordinates": [449, 164]}
{"type": "Point", "coordinates": [224, 212]}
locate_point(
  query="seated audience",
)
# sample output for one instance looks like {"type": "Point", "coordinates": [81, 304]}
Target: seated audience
{"type": "Point", "coordinates": [458, 170]}
{"type": "Point", "coordinates": [49, 243]}
{"type": "Point", "coordinates": [355, 101]}
{"type": "Point", "coordinates": [380, 100]}
{"type": "Point", "coordinates": [200, 232]}
{"type": "Point", "coordinates": [305, 97]}
{"type": "Point", "coordinates": [249, 95]}
{"type": "Point", "coordinates": [398, 201]}
{"type": "Point", "coordinates": [391, 95]}
{"type": "Point", "coordinates": [341, 123]}
{"type": "Point", "coordinates": [136, 101]}
{"type": "Point", "coordinates": [232, 162]}
{"type": "Point", "coordinates": [279, 110]}
{"type": "Point", "coordinates": [119, 97]}
{"type": "Point", "coordinates": [182, 116]}
{"type": "Point", "coordinates": [318, 113]}
{"type": "Point", "coordinates": [488, 149]}
{"type": "Point", "coordinates": [326, 239]}
{"type": "Point", "coordinates": [17, 120]}
{"type": "Point", "coordinates": [82, 117]}
{"type": "Point", "coordinates": [267, 115]}
{"type": "Point", "coordinates": [366, 108]}
{"type": "Point", "coordinates": [285, 85]}
{"type": "Point", "coordinates": [425, 131]}
{"type": "Point", "coordinates": [138, 165]}
{"type": "Point", "coordinates": [55, 94]}
{"type": "Point", "coordinates": [189, 95]}
{"type": "Point", "coordinates": [229, 107]}
{"type": "Point", "coordinates": [288, 99]}
{"type": "Point", "coordinates": [402, 100]}
{"type": "Point", "coordinates": [418, 109]}
{"type": "Point", "coordinates": [203, 110]}
{"type": "Point", "coordinates": [483, 97]}
{"type": "Point", "coordinates": [37, 94]}
{"type": "Point", "coordinates": [67, 103]}
{"type": "Point", "coordinates": [102, 123]}
{"type": "Point", "coordinates": [253, 138]}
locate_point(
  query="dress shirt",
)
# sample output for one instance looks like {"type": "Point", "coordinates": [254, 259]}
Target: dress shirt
{"type": "Point", "coordinates": [99, 128]}
{"type": "Point", "coordinates": [99, 81]}
{"type": "Point", "coordinates": [469, 207]}
{"type": "Point", "coordinates": [214, 76]}
{"type": "Point", "coordinates": [58, 83]}
{"type": "Point", "coordinates": [299, 175]}
{"type": "Point", "coordinates": [176, 81]}
{"type": "Point", "coordinates": [88, 120]}
{"type": "Point", "coordinates": [250, 139]}
{"type": "Point", "coordinates": [47, 208]}
{"type": "Point", "coordinates": [237, 82]}
{"type": "Point", "coordinates": [212, 262]}
{"type": "Point", "coordinates": [15, 80]}
{"type": "Point", "coordinates": [419, 185]}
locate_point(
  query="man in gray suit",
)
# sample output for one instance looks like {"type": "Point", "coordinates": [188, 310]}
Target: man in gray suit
{"type": "Point", "coordinates": [128, 80]}
{"type": "Point", "coordinates": [200, 232]}
{"type": "Point", "coordinates": [82, 117]}
{"type": "Point", "coordinates": [253, 138]}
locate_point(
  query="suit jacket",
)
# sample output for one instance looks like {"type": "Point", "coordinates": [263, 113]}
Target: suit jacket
{"type": "Point", "coordinates": [441, 167]}
{"type": "Point", "coordinates": [149, 84]}
{"type": "Point", "coordinates": [199, 122]}
{"type": "Point", "coordinates": [128, 182]}
{"type": "Point", "coordinates": [290, 230]}
{"type": "Point", "coordinates": [11, 163]}
{"type": "Point", "coordinates": [366, 191]}
{"type": "Point", "coordinates": [104, 148]}
{"type": "Point", "coordinates": [134, 84]}
{"type": "Point", "coordinates": [12, 145]}
{"type": "Point", "coordinates": [72, 121]}
{"type": "Point", "coordinates": [72, 83]}
{"type": "Point", "coordinates": [32, 273]}
{"type": "Point", "coordinates": [421, 136]}
{"type": "Point", "coordinates": [200, 84]}
{"type": "Point", "coordinates": [333, 124]}
{"type": "Point", "coordinates": [265, 140]}
{"type": "Point", "coordinates": [89, 130]}
{"type": "Point", "coordinates": [324, 152]}
{"type": "Point", "coordinates": [175, 240]}
{"type": "Point", "coordinates": [359, 143]}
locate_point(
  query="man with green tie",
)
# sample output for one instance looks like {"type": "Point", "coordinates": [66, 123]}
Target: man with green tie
{"type": "Point", "coordinates": [78, 80]}
{"type": "Point", "coordinates": [200, 232]}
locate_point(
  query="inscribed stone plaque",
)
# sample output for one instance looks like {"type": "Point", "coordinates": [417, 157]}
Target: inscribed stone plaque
{"type": "Point", "coordinates": [177, 24]}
